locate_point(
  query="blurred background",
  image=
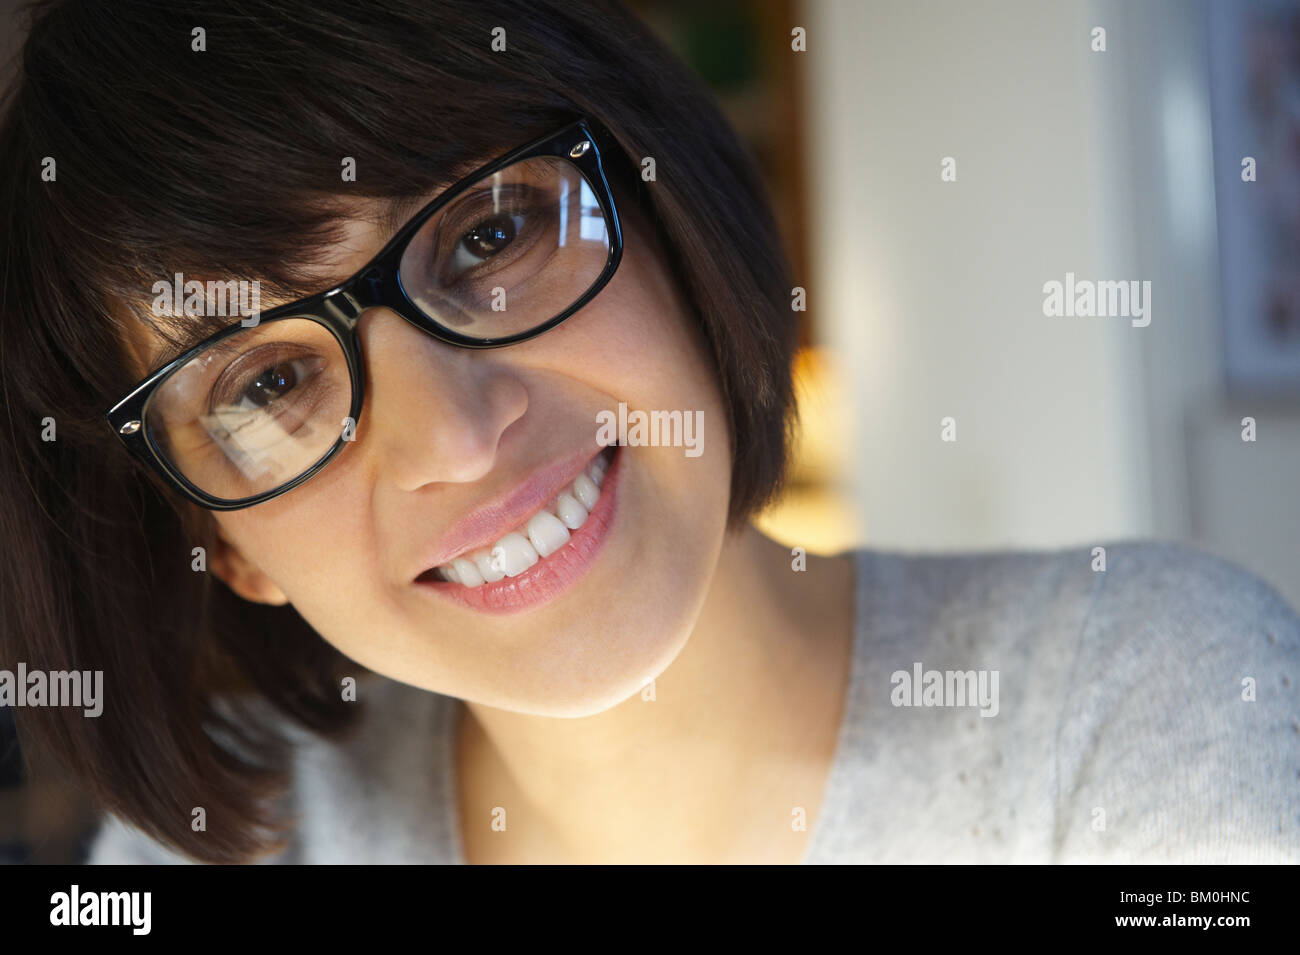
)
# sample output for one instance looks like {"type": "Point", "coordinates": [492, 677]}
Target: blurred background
{"type": "Point", "coordinates": [925, 296]}
{"type": "Point", "coordinates": [1114, 157]}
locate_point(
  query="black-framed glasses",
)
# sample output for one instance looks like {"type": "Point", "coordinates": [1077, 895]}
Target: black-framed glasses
{"type": "Point", "coordinates": [505, 254]}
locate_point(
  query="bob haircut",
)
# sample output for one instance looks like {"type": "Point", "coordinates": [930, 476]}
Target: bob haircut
{"type": "Point", "coordinates": [226, 161]}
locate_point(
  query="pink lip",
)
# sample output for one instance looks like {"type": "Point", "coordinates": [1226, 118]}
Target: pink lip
{"type": "Point", "coordinates": [497, 518]}
{"type": "Point", "coordinates": [549, 576]}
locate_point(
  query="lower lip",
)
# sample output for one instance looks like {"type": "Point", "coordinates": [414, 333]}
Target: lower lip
{"type": "Point", "coordinates": [551, 576]}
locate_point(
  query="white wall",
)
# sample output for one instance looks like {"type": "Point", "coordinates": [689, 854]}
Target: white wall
{"type": "Point", "coordinates": [1070, 430]}
{"type": "Point", "coordinates": [934, 289]}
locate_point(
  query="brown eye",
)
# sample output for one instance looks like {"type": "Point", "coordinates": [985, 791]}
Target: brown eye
{"type": "Point", "coordinates": [489, 237]}
{"type": "Point", "coordinates": [271, 385]}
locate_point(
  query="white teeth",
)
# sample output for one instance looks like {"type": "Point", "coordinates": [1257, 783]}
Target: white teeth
{"type": "Point", "coordinates": [547, 534]}
{"type": "Point", "coordinates": [585, 490]}
{"type": "Point", "coordinates": [569, 511]}
{"type": "Point", "coordinates": [467, 572]}
{"type": "Point", "coordinates": [513, 554]}
{"type": "Point", "coordinates": [544, 533]}
{"type": "Point", "coordinates": [483, 561]}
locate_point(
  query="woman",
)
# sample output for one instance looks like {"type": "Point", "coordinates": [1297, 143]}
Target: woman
{"type": "Point", "coordinates": [369, 578]}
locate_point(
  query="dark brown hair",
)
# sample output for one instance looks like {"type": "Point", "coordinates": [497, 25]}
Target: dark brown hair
{"type": "Point", "coordinates": [223, 162]}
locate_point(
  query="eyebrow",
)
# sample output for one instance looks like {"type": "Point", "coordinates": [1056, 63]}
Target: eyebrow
{"type": "Point", "coordinates": [398, 212]}
{"type": "Point", "coordinates": [194, 335]}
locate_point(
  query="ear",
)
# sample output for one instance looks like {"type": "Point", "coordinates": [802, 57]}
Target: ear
{"type": "Point", "coordinates": [241, 575]}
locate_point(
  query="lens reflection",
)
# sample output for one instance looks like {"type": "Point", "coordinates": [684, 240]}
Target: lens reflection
{"type": "Point", "coordinates": [255, 410]}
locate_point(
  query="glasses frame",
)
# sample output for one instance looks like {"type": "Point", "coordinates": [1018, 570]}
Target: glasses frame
{"type": "Point", "coordinates": [378, 284]}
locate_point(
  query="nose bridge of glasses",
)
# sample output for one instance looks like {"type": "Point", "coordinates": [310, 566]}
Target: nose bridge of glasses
{"type": "Point", "coordinates": [343, 304]}
{"type": "Point", "coordinates": [374, 288]}
{"type": "Point", "coordinates": [365, 294]}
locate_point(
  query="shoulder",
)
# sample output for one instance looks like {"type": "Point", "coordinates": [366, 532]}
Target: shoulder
{"type": "Point", "coordinates": [1144, 598]}
{"type": "Point", "coordinates": [1176, 735]}
{"type": "Point", "coordinates": [1192, 592]}
{"type": "Point", "coordinates": [1183, 625]}
{"type": "Point", "coordinates": [1143, 707]}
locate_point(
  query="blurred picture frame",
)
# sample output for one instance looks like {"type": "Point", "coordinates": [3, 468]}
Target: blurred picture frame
{"type": "Point", "coordinates": [1254, 67]}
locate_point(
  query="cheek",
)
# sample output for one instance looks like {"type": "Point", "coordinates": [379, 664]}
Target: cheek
{"type": "Point", "coordinates": [318, 543]}
{"type": "Point", "coordinates": [652, 357]}
{"type": "Point", "coordinates": [326, 558]}
{"type": "Point", "coordinates": [639, 343]}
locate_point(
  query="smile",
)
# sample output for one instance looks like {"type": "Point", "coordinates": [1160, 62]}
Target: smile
{"type": "Point", "coordinates": [543, 554]}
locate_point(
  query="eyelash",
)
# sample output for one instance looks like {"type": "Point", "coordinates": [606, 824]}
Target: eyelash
{"type": "Point", "coordinates": [259, 359]}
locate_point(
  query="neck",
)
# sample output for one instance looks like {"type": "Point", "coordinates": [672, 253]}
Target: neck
{"type": "Point", "coordinates": [749, 708]}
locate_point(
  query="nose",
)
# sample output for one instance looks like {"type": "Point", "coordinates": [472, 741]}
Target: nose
{"type": "Point", "coordinates": [433, 412]}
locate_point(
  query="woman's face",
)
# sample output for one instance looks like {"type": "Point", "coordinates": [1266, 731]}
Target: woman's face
{"type": "Point", "coordinates": [456, 448]}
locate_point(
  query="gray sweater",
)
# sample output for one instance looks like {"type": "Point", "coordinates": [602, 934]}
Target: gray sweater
{"type": "Point", "coordinates": [1144, 713]}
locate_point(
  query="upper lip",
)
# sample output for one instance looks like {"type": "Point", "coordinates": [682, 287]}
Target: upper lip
{"type": "Point", "coordinates": [487, 524]}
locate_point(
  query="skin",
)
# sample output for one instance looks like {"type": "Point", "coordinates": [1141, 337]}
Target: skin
{"type": "Point", "coordinates": [749, 659]}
